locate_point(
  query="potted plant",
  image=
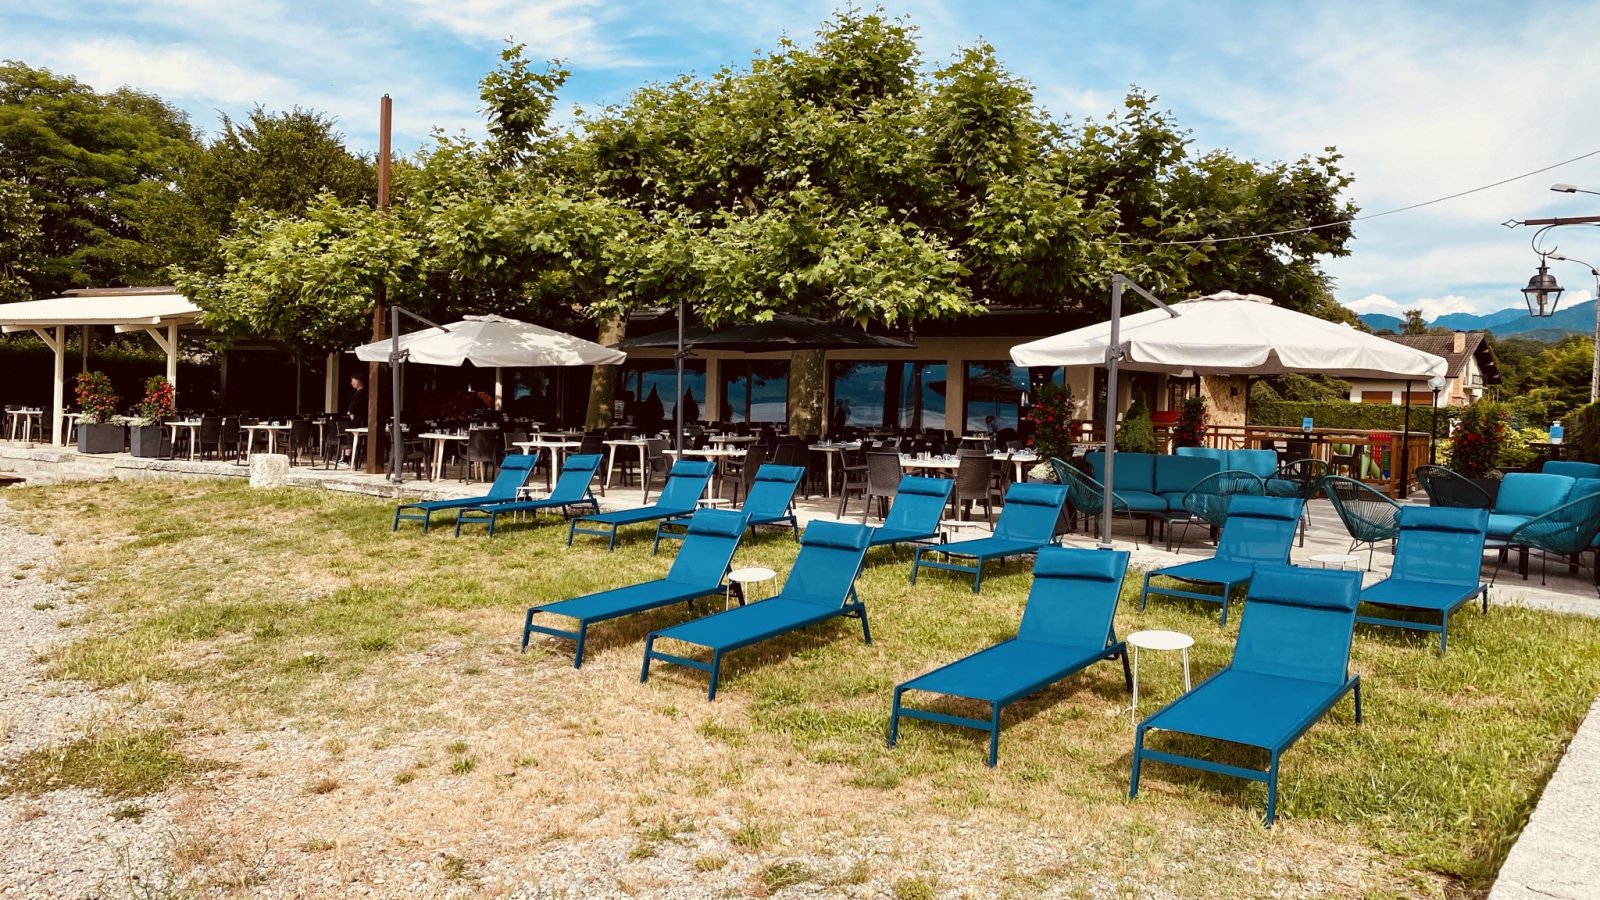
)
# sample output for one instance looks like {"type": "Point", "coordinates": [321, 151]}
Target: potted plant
{"type": "Point", "coordinates": [98, 430]}
{"type": "Point", "coordinates": [1051, 416]}
{"type": "Point", "coordinates": [1136, 434]}
{"type": "Point", "coordinates": [1190, 430]}
{"type": "Point", "coordinates": [1475, 447]}
{"type": "Point", "coordinates": [147, 438]}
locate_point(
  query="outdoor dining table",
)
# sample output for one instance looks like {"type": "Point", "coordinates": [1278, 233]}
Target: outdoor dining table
{"type": "Point", "coordinates": [69, 426]}
{"type": "Point", "coordinates": [24, 419]}
{"type": "Point", "coordinates": [948, 463]}
{"type": "Point", "coordinates": [356, 434]}
{"type": "Point", "coordinates": [194, 433]}
{"type": "Point", "coordinates": [716, 456]}
{"type": "Point", "coordinates": [829, 450]}
{"type": "Point", "coordinates": [733, 439]}
{"type": "Point", "coordinates": [440, 439]}
{"type": "Point", "coordinates": [611, 461]}
{"type": "Point", "coordinates": [1019, 461]}
{"type": "Point", "coordinates": [558, 453]}
{"type": "Point", "coordinates": [272, 437]}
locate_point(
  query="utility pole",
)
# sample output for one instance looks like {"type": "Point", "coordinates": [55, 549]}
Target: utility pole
{"type": "Point", "coordinates": [375, 370]}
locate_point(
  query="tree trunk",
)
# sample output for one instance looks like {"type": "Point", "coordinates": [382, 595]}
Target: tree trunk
{"type": "Point", "coordinates": [808, 392]}
{"type": "Point", "coordinates": [603, 384]}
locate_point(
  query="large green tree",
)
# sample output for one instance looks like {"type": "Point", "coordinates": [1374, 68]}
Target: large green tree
{"type": "Point", "coordinates": [87, 160]}
{"type": "Point", "coordinates": [19, 234]}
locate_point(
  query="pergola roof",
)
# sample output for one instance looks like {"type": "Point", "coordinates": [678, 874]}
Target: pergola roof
{"type": "Point", "coordinates": [125, 307]}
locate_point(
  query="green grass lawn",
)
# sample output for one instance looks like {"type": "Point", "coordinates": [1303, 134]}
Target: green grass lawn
{"type": "Point", "coordinates": [264, 607]}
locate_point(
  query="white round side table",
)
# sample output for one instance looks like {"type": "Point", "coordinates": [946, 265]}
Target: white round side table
{"type": "Point", "coordinates": [1157, 640]}
{"type": "Point", "coordinates": [954, 527]}
{"type": "Point", "coordinates": [744, 578]}
{"type": "Point", "coordinates": [714, 502]}
{"type": "Point", "coordinates": [1338, 559]}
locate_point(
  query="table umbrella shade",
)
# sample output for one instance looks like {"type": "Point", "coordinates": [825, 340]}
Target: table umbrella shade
{"type": "Point", "coordinates": [494, 341]}
{"type": "Point", "coordinates": [1233, 334]}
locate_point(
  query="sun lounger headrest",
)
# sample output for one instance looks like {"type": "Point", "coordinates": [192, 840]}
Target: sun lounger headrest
{"type": "Point", "coordinates": [725, 523]}
{"type": "Point", "coordinates": [1036, 494]}
{"type": "Point", "coordinates": [692, 468]}
{"type": "Point", "coordinates": [781, 474]}
{"type": "Point", "coordinates": [1336, 589]}
{"type": "Point", "coordinates": [932, 487]}
{"type": "Point", "coordinates": [518, 461]}
{"type": "Point", "coordinates": [1444, 518]}
{"type": "Point", "coordinates": [586, 462]}
{"type": "Point", "coordinates": [1075, 562]}
{"type": "Point", "coordinates": [836, 535]}
{"type": "Point", "coordinates": [1285, 508]}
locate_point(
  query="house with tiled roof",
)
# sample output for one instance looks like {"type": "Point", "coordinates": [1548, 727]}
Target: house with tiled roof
{"type": "Point", "coordinates": [1471, 369]}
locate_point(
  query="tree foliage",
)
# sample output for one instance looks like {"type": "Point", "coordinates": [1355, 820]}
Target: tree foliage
{"type": "Point", "coordinates": [87, 160]}
{"type": "Point", "coordinates": [19, 238]}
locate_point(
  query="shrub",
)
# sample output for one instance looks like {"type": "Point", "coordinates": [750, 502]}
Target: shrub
{"type": "Point", "coordinates": [1343, 414]}
{"type": "Point", "coordinates": [95, 397]}
{"type": "Point", "coordinates": [1583, 433]}
{"type": "Point", "coordinates": [1136, 434]}
{"type": "Point", "coordinates": [1475, 447]}
{"type": "Point", "coordinates": [1191, 428]}
{"type": "Point", "coordinates": [1051, 414]}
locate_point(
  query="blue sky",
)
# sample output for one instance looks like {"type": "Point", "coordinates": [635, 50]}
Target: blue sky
{"type": "Point", "coordinates": [1424, 99]}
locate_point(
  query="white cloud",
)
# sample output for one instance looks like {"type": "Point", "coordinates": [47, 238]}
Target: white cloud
{"type": "Point", "coordinates": [1432, 307]}
{"type": "Point", "coordinates": [170, 70]}
{"type": "Point", "coordinates": [558, 28]}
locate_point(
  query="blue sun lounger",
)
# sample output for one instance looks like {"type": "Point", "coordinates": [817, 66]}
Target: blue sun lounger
{"type": "Point", "coordinates": [571, 490]}
{"type": "Point", "coordinates": [1436, 567]}
{"type": "Point", "coordinates": [1290, 665]}
{"type": "Point", "coordinates": [513, 474]}
{"type": "Point", "coordinates": [1066, 627]}
{"type": "Point", "coordinates": [686, 482]}
{"type": "Point", "coordinates": [1260, 530]}
{"type": "Point", "coordinates": [1027, 522]}
{"type": "Point", "coordinates": [914, 515]}
{"type": "Point", "coordinates": [697, 571]}
{"type": "Point", "coordinates": [770, 502]}
{"type": "Point", "coordinates": [821, 586]}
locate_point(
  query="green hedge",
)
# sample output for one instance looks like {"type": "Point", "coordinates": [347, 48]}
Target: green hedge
{"type": "Point", "coordinates": [1343, 414]}
{"type": "Point", "coordinates": [1583, 433]}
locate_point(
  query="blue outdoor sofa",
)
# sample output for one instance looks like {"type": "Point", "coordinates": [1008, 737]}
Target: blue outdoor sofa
{"type": "Point", "coordinates": [1290, 665]}
{"type": "Point", "coordinates": [697, 571]}
{"type": "Point", "coordinates": [1066, 627]}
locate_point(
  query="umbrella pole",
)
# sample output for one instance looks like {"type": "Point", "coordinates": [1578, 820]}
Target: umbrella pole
{"type": "Point", "coordinates": [1405, 444]}
{"type": "Point", "coordinates": [677, 408]}
{"type": "Point", "coordinates": [1113, 353]}
{"type": "Point", "coordinates": [396, 360]}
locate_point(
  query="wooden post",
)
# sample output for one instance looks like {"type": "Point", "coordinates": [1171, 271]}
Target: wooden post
{"type": "Point", "coordinates": [375, 370]}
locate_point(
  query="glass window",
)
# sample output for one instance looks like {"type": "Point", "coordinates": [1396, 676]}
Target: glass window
{"type": "Point", "coordinates": [755, 390]}
{"type": "Point", "coordinates": [648, 390]}
{"type": "Point", "coordinates": [995, 394]}
{"type": "Point", "coordinates": [887, 395]}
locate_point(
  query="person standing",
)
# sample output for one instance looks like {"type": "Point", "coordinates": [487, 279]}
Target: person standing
{"type": "Point", "coordinates": [357, 407]}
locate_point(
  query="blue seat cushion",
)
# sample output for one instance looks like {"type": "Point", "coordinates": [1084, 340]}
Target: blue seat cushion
{"type": "Point", "coordinates": [1501, 526]}
{"type": "Point", "coordinates": [1143, 501]}
{"type": "Point", "coordinates": [1419, 594]}
{"type": "Point", "coordinates": [1214, 571]}
{"type": "Point", "coordinates": [1174, 500]}
{"type": "Point", "coordinates": [1178, 474]}
{"type": "Point", "coordinates": [1571, 469]}
{"type": "Point", "coordinates": [1134, 471]}
{"type": "Point", "coordinates": [1528, 494]}
{"type": "Point", "coordinates": [1003, 670]}
{"type": "Point", "coordinates": [1257, 462]}
{"type": "Point", "coordinates": [1221, 456]}
{"type": "Point", "coordinates": [1246, 708]}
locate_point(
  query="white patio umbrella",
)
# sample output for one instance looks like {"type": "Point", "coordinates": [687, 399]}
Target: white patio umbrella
{"type": "Point", "coordinates": [1220, 334]}
{"type": "Point", "coordinates": [494, 341]}
{"type": "Point", "coordinates": [1233, 334]}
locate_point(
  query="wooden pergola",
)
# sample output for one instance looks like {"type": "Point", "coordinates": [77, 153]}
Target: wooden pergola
{"type": "Point", "coordinates": [157, 311]}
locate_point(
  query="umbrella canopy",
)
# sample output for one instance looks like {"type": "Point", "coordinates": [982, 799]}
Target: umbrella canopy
{"type": "Point", "coordinates": [494, 341]}
{"type": "Point", "coordinates": [783, 332]}
{"type": "Point", "coordinates": [1233, 334]}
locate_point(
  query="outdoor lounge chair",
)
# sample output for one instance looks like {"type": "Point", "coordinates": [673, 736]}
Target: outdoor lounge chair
{"type": "Point", "coordinates": [696, 572]}
{"type": "Point", "coordinates": [1436, 566]}
{"type": "Point", "coordinates": [572, 490]}
{"type": "Point", "coordinates": [821, 586]}
{"type": "Point", "coordinates": [1086, 497]}
{"type": "Point", "coordinates": [1368, 516]}
{"type": "Point", "coordinates": [1567, 530]}
{"type": "Point", "coordinates": [1259, 530]}
{"type": "Point", "coordinates": [770, 501]}
{"type": "Point", "coordinates": [1027, 522]}
{"type": "Point", "coordinates": [1066, 627]}
{"type": "Point", "coordinates": [1290, 666]}
{"type": "Point", "coordinates": [513, 474]}
{"type": "Point", "coordinates": [1446, 488]}
{"type": "Point", "coordinates": [914, 514]}
{"type": "Point", "coordinates": [686, 483]}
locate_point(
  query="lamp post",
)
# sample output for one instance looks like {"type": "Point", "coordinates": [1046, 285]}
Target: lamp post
{"type": "Point", "coordinates": [1594, 375]}
{"type": "Point", "coordinates": [1543, 292]}
{"type": "Point", "coordinates": [1437, 383]}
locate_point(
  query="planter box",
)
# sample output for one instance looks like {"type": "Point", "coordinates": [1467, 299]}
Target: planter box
{"type": "Point", "coordinates": [149, 442]}
{"type": "Point", "coordinates": [101, 438]}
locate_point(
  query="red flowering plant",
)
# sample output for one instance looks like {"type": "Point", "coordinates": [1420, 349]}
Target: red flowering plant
{"type": "Point", "coordinates": [1479, 436]}
{"type": "Point", "coordinates": [1052, 413]}
{"type": "Point", "coordinates": [95, 398]}
{"type": "Point", "coordinates": [158, 403]}
{"type": "Point", "coordinates": [1190, 429]}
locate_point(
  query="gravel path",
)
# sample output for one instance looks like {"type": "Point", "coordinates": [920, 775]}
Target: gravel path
{"type": "Point", "coordinates": [66, 843]}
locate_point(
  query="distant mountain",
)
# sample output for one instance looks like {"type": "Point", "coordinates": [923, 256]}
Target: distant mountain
{"type": "Point", "coordinates": [1514, 320]}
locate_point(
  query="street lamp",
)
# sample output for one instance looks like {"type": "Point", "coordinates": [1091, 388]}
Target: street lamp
{"type": "Point", "coordinates": [1542, 292]}
{"type": "Point", "coordinates": [1437, 383]}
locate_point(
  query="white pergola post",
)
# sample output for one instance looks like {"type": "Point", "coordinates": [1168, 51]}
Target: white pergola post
{"type": "Point", "coordinates": [58, 344]}
{"type": "Point", "coordinates": [169, 344]}
{"type": "Point", "coordinates": [330, 387]}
